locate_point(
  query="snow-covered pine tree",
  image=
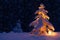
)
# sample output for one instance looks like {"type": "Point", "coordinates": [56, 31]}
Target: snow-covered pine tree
{"type": "Point", "coordinates": [17, 28]}
{"type": "Point", "coordinates": [41, 24]}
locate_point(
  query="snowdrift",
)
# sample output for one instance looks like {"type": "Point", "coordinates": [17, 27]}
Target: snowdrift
{"type": "Point", "coordinates": [27, 36]}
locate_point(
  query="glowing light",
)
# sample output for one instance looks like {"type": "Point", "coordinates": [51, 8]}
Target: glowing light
{"type": "Point", "coordinates": [51, 33]}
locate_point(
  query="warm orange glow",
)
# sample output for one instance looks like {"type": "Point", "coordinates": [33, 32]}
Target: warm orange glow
{"type": "Point", "coordinates": [43, 15]}
{"type": "Point", "coordinates": [51, 33]}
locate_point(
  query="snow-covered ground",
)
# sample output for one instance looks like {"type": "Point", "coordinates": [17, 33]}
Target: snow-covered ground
{"type": "Point", "coordinates": [26, 36]}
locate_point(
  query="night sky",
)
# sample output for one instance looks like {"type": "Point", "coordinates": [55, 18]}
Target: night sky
{"type": "Point", "coordinates": [13, 10]}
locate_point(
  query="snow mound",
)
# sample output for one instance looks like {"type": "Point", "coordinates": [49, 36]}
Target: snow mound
{"type": "Point", "coordinates": [26, 36]}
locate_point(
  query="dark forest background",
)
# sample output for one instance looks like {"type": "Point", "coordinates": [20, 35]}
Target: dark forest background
{"type": "Point", "coordinates": [13, 10]}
